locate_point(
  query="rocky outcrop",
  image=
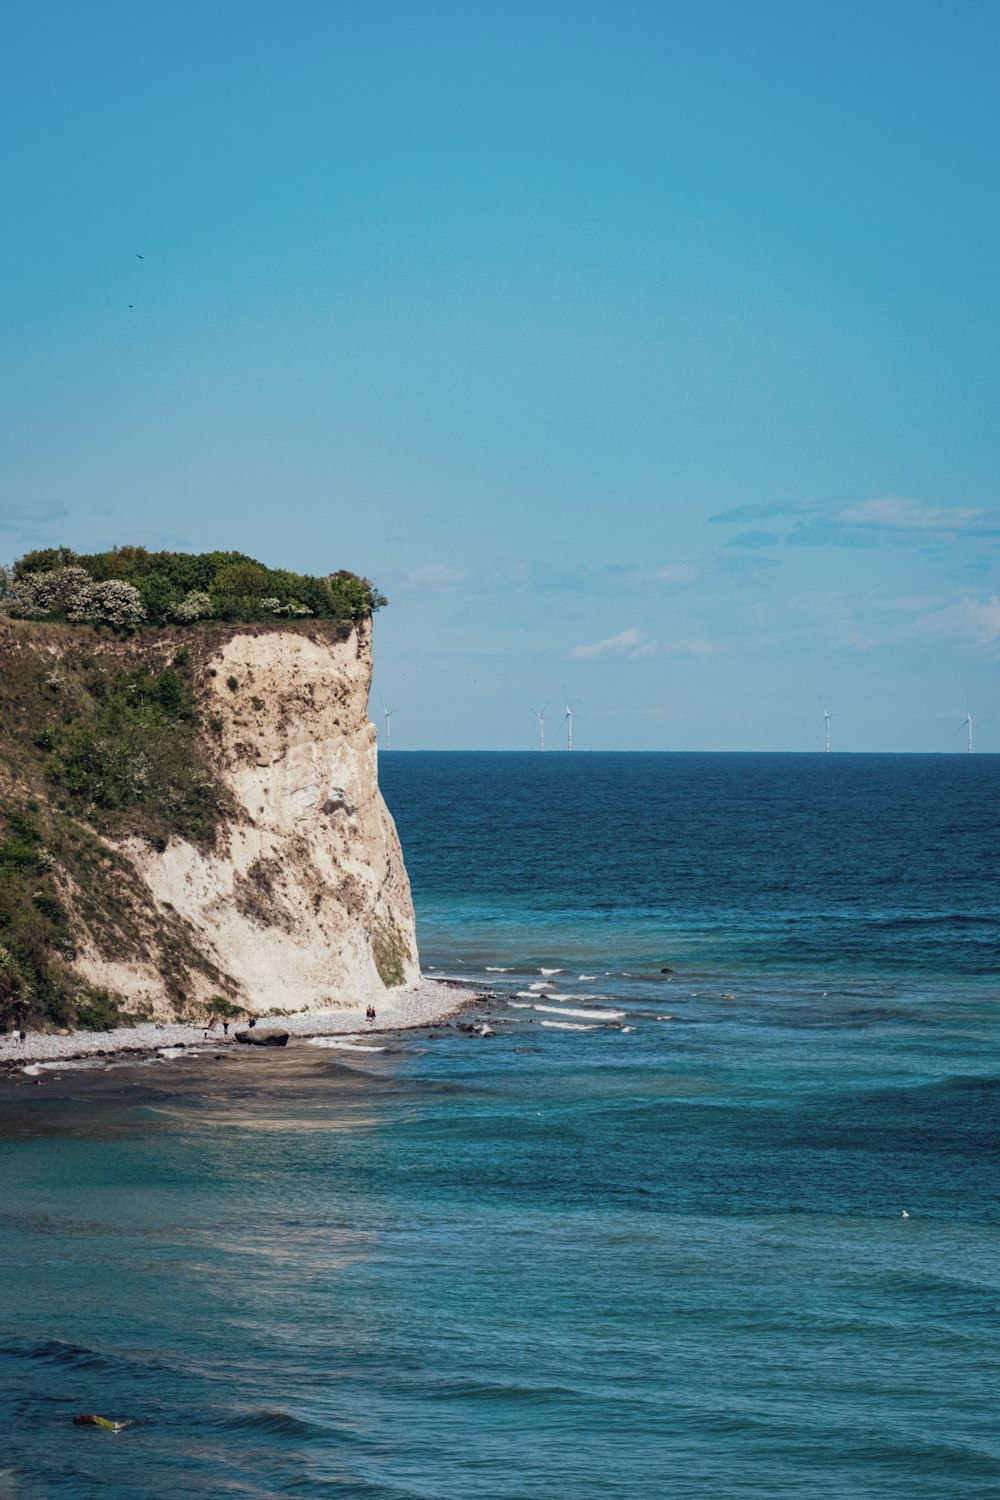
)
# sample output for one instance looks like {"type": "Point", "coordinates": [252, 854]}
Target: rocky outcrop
{"type": "Point", "coordinates": [263, 1038]}
{"type": "Point", "coordinates": [304, 903]}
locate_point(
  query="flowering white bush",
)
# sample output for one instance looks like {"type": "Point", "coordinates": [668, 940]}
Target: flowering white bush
{"type": "Point", "coordinates": [194, 606]}
{"type": "Point", "coordinates": [67, 590]}
{"type": "Point", "coordinates": [72, 592]}
{"type": "Point", "coordinates": [277, 608]}
{"type": "Point", "coordinates": [117, 603]}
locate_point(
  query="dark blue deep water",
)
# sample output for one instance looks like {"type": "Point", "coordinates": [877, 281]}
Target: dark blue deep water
{"type": "Point", "coordinates": [645, 1240]}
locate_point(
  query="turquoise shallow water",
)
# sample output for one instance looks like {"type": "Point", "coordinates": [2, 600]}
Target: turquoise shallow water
{"type": "Point", "coordinates": [656, 1257]}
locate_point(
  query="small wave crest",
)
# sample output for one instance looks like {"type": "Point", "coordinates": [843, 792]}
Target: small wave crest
{"type": "Point", "coordinates": [342, 1044]}
{"type": "Point", "coordinates": [277, 1423]}
{"type": "Point", "coordinates": [585, 1015]}
{"type": "Point", "coordinates": [55, 1352]}
{"type": "Point", "coordinates": [65, 1065]}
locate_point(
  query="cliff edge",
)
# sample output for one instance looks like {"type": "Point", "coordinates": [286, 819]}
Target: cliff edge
{"type": "Point", "coordinates": [285, 889]}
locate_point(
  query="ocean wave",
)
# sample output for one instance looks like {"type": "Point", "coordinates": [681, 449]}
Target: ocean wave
{"type": "Point", "coordinates": [586, 1015]}
{"type": "Point", "coordinates": [278, 1423]}
{"type": "Point", "coordinates": [569, 996]}
{"type": "Point", "coordinates": [55, 1352]}
{"type": "Point", "coordinates": [66, 1065]}
{"type": "Point", "coordinates": [496, 1390]}
{"type": "Point", "coordinates": [937, 919]}
{"type": "Point", "coordinates": [567, 1026]}
{"type": "Point", "coordinates": [342, 1044]}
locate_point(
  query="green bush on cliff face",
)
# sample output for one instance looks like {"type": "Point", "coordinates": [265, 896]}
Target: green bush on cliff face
{"type": "Point", "coordinates": [129, 587]}
{"type": "Point", "coordinates": [122, 753]}
{"type": "Point", "coordinates": [37, 987]}
{"type": "Point", "coordinates": [86, 742]}
{"type": "Point", "coordinates": [116, 748]}
{"type": "Point", "coordinates": [33, 928]}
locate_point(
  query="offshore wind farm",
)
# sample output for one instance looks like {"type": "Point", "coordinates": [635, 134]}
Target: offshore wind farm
{"type": "Point", "coordinates": [562, 737]}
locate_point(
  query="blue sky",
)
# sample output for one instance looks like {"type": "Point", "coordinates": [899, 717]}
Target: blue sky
{"type": "Point", "coordinates": [641, 353]}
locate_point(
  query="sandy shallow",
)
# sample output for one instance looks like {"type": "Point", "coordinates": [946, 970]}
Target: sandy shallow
{"type": "Point", "coordinates": [418, 1005]}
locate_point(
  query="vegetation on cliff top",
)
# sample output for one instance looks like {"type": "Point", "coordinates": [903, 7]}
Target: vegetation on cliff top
{"type": "Point", "coordinates": [128, 588]}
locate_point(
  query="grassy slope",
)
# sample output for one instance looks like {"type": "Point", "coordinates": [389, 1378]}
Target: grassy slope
{"type": "Point", "coordinates": [98, 736]}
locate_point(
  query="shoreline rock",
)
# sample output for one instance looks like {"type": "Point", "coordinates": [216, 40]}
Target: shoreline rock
{"type": "Point", "coordinates": [426, 1004]}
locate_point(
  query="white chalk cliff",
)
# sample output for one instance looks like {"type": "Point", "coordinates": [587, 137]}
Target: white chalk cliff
{"type": "Point", "coordinates": [305, 902]}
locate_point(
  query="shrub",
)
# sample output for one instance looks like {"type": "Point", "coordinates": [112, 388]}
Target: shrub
{"type": "Point", "coordinates": [33, 927]}
{"type": "Point", "coordinates": [117, 604]}
{"type": "Point", "coordinates": [195, 605]}
{"type": "Point", "coordinates": [60, 591]}
{"type": "Point", "coordinates": [98, 1010]}
{"type": "Point", "coordinates": [124, 754]}
{"type": "Point", "coordinates": [71, 594]}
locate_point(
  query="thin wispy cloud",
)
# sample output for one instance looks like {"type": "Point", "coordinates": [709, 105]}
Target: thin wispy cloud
{"type": "Point", "coordinates": [437, 575]}
{"type": "Point", "coordinates": [740, 514]}
{"type": "Point", "coordinates": [674, 573]}
{"type": "Point", "coordinates": [860, 524]}
{"type": "Point", "coordinates": [824, 532]}
{"type": "Point", "coordinates": [975, 621]}
{"type": "Point", "coordinates": [968, 623]}
{"type": "Point", "coordinates": [40, 515]}
{"type": "Point", "coordinates": [889, 512]}
{"type": "Point", "coordinates": [752, 541]}
{"type": "Point", "coordinates": [690, 645]}
{"type": "Point", "coordinates": [633, 645]}
{"type": "Point", "coordinates": [629, 642]}
{"type": "Point", "coordinates": [906, 603]}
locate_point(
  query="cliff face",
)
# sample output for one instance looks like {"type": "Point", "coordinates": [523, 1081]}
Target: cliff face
{"type": "Point", "coordinates": [304, 901]}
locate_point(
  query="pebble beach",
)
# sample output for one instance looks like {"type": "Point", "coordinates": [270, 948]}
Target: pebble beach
{"type": "Point", "coordinates": [424, 1004]}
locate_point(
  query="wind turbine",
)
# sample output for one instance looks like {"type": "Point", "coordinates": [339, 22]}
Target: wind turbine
{"type": "Point", "coordinates": [388, 713]}
{"type": "Point", "coordinates": [826, 723]}
{"type": "Point", "coordinates": [568, 720]}
{"type": "Point", "coordinates": [541, 726]}
{"type": "Point", "coordinates": [967, 724]}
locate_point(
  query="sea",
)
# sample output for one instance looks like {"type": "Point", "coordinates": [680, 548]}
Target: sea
{"type": "Point", "coordinates": [704, 1205]}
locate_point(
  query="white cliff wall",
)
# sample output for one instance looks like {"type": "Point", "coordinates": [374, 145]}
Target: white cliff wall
{"type": "Point", "coordinates": [306, 902]}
